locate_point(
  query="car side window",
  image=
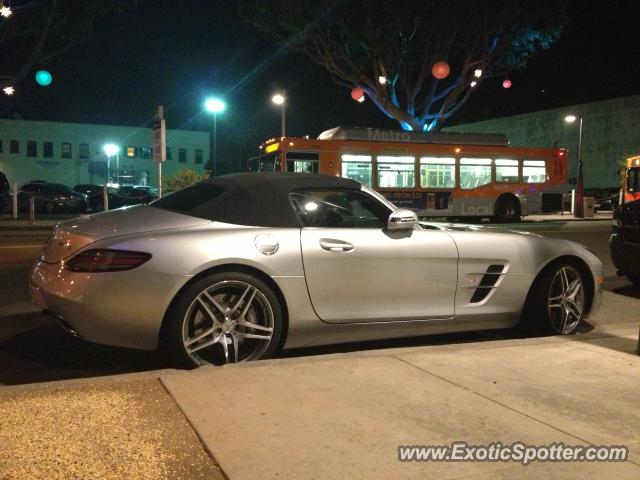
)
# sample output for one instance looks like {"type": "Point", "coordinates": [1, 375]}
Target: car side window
{"type": "Point", "coordinates": [332, 208]}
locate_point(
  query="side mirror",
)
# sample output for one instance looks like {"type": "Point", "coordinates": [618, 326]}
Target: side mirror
{"type": "Point", "coordinates": [402, 219]}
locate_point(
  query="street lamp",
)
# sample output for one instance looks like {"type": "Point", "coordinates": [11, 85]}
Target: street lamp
{"type": "Point", "coordinates": [578, 200]}
{"type": "Point", "coordinates": [280, 99]}
{"type": "Point", "coordinates": [215, 106]}
{"type": "Point", "coordinates": [111, 149]}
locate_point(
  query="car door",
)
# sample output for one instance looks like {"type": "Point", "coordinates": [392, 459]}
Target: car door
{"type": "Point", "coordinates": [358, 271]}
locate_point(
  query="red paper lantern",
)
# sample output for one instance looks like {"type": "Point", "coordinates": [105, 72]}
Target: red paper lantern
{"type": "Point", "coordinates": [506, 83]}
{"type": "Point", "coordinates": [357, 94]}
{"type": "Point", "coordinates": [440, 69]}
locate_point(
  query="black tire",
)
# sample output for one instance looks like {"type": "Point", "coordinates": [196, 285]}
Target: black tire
{"type": "Point", "coordinates": [190, 318]}
{"type": "Point", "coordinates": [49, 208]}
{"type": "Point", "coordinates": [506, 210]}
{"type": "Point", "coordinates": [635, 279]}
{"type": "Point", "coordinates": [540, 317]}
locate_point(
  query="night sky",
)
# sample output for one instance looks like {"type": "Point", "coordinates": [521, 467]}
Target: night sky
{"type": "Point", "coordinates": [177, 52]}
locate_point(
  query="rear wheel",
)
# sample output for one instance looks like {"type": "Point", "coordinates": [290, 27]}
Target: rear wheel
{"type": "Point", "coordinates": [507, 209]}
{"type": "Point", "coordinates": [557, 301]}
{"type": "Point", "coordinates": [226, 317]}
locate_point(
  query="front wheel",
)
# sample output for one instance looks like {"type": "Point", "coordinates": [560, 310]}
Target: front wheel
{"type": "Point", "coordinates": [224, 318]}
{"type": "Point", "coordinates": [557, 302]}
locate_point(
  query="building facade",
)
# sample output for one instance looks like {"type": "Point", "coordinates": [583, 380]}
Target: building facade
{"type": "Point", "coordinates": [74, 153]}
{"type": "Point", "coordinates": [610, 133]}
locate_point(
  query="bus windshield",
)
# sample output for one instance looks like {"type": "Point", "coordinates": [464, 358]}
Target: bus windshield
{"type": "Point", "coordinates": [265, 163]}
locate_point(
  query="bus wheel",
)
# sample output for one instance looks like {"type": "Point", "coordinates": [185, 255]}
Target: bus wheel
{"type": "Point", "coordinates": [507, 210]}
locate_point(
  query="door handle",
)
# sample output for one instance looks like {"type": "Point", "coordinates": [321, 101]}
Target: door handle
{"type": "Point", "coordinates": [331, 245]}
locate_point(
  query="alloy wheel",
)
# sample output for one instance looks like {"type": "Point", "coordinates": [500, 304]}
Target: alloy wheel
{"type": "Point", "coordinates": [228, 322]}
{"type": "Point", "coordinates": [566, 300]}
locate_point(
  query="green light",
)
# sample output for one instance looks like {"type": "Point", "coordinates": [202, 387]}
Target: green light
{"type": "Point", "coordinates": [43, 78]}
{"type": "Point", "coordinates": [214, 105]}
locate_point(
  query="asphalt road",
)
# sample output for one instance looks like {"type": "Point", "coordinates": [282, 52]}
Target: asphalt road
{"type": "Point", "coordinates": [34, 349]}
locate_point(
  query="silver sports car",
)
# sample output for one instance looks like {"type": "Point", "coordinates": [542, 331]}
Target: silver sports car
{"type": "Point", "coordinates": [236, 267]}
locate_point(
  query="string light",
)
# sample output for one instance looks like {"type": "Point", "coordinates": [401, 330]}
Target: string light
{"type": "Point", "coordinates": [5, 11]}
{"type": "Point", "coordinates": [382, 79]}
{"type": "Point", "coordinates": [473, 83]}
{"type": "Point", "coordinates": [8, 90]}
{"type": "Point", "coordinates": [477, 73]}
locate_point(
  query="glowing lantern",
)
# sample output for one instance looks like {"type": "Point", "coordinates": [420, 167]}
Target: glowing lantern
{"type": "Point", "coordinates": [357, 94]}
{"type": "Point", "coordinates": [440, 69]}
{"type": "Point", "coordinates": [506, 83]}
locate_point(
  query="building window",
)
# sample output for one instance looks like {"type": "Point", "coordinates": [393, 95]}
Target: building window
{"type": "Point", "coordinates": [145, 152]}
{"type": "Point", "coordinates": [32, 148]}
{"type": "Point", "coordinates": [182, 155]}
{"type": "Point", "coordinates": [65, 151]}
{"type": "Point", "coordinates": [132, 152]}
{"type": "Point", "coordinates": [396, 172]}
{"type": "Point", "coordinates": [198, 156]}
{"type": "Point", "coordinates": [475, 172]}
{"type": "Point", "coordinates": [47, 149]}
{"type": "Point", "coordinates": [14, 146]}
{"type": "Point", "coordinates": [83, 151]}
{"type": "Point", "coordinates": [437, 172]}
{"type": "Point", "coordinates": [169, 153]}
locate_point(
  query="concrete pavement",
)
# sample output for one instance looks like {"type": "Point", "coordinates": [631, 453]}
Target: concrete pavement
{"type": "Point", "coordinates": [344, 415]}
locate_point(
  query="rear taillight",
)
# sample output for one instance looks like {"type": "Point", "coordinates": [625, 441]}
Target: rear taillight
{"type": "Point", "coordinates": [104, 260]}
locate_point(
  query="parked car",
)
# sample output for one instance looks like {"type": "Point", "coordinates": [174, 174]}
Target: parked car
{"type": "Point", "coordinates": [95, 195]}
{"type": "Point", "coordinates": [51, 198]}
{"type": "Point", "coordinates": [235, 267]}
{"type": "Point", "coordinates": [132, 195]}
{"type": "Point", "coordinates": [5, 193]}
{"type": "Point", "coordinates": [625, 240]}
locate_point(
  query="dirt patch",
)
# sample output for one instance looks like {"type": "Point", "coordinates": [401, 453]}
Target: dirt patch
{"type": "Point", "coordinates": [124, 430]}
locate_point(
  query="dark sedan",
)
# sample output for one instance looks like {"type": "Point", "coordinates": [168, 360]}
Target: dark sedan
{"type": "Point", "coordinates": [625, 240]}
{"type": "Point", "coordinates": [51, 198]}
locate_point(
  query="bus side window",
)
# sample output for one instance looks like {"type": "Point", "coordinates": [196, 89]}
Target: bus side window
{"type": "Point", "coordinates": [534, 171]}
{"type": "Point", "coordinates": [358, 168]}
{"type": "Point", "coordinates": [475, 172]}
{"type": "Point", "coordinates": [303, 162]}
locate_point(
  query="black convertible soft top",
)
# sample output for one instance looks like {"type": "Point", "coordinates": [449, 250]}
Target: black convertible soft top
{"type": "Point", "coordinates": [257, 199]}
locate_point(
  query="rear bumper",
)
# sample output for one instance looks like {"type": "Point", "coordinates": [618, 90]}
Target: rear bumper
{"type": "Point", "coordinates": [124, 309]}
{"type": "Point", "coordinates": [625, 255]}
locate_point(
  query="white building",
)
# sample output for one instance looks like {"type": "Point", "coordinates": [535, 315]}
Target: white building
{"type": "Point", "coordinates": [74, 153]}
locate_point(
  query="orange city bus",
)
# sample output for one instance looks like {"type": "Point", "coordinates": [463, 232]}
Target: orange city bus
{"type": "Point", "coordinates": [435, 174]}
{"type": "Point", "coordinates": [631, 183]}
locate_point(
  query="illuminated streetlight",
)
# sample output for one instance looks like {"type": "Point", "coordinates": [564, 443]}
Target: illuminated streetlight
{"type": "Point", "coordinates": [578, 201]}
{"type": "Point", "coordinates": [110, 150]}
{"type": "Point", "coordinates": [215, 106]}
{"type": "Point", "coordinates": [280, 99]}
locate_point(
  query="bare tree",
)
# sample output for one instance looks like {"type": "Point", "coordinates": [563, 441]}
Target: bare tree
{"type": "Point", "coordinates": [388, 48]}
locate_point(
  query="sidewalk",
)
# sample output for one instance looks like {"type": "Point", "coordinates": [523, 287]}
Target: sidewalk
{"type": "Point", "coordinates": [340, 415]}
{"type": "Point", "coordinates": [344, 416]}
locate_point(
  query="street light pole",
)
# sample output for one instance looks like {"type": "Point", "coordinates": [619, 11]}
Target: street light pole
{"type": "Point", "coordinates": [579, 211]}
{"type": "Point", "coordinates": [578, 199]}
{"type": "Point", "coordinates": [214, 105]}
{"type": "Point", "coordinates": [280, 99]}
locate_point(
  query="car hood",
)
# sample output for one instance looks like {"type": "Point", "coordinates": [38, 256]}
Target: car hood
{"type": "Point", "coordinates": [70, 236]}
